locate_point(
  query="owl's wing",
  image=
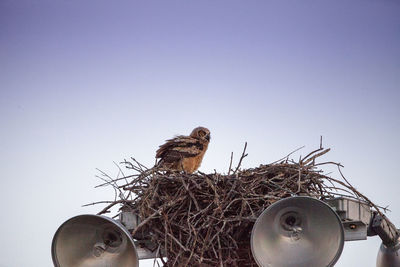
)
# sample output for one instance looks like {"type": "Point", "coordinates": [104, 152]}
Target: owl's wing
{"type": "Point", "coordinates": [178, 148]}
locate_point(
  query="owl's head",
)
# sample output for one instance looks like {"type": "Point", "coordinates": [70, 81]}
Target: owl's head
{"type": "Point", "coordinates": [201, 133]}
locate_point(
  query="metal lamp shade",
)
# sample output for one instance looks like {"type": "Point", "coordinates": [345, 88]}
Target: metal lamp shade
{"type": "Point", "coordinates": [388, 256]}
{"type": "Point", "coordinates": [93, 241]}
{"type": "Point", "coordinates": [297, 232]}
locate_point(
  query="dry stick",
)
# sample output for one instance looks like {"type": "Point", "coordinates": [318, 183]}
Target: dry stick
{"type": "Point", "coordinates": [220, 254]}
{"type": "Point", "coordinates": [338, 189]}
{"type": "Point", "coordinates": [328, 162]}
{"type": "Point", "coordinates": [298, 182]}
{"type": "Point", "coordinates": [358, 195]}
{"type": "Point", "coordinates": [179, 243]}
{"type": "Point", "coordinates": [157, 255]}
{"type": "Point", "coordinates": [138, 178]}
{"type": "Point", "coordinates": [308, 155]}
{"type": "Point", "coordinates": [115, 189]}
{"type": "Point", "coordinates": [141, 176]}
{"type": "Point", "coordinates": [140, 164]}
{"type": "Point", "coordinates": [190, 193]}
{"type": "Point", "coordinates": [113, 184]}
{"type": "Point", "coordinates": [105, 210]}
{"type": "Point", "coordinates": [157, 212]}
{"type": "Point", "coordinates": [98, 202]}
{"type": "Point", "coordinates": [145, 221]}
{"type": "Point", "coordinates": [369, 201]}
{"type": "Point", "coordinates": [123, 175]}
{"type": "Point", "coordinates": [288, 155]}
{"type": "Point", "coordinates": [115, 180]}
{"type": "Point", "coordinates": [313, 156]}
{"type": "Point", "coordinates": [241, 158]}
{"type": "Point", "coordinates": [230, 164]}
{"type": "Point", "coordinates": [194, 243]}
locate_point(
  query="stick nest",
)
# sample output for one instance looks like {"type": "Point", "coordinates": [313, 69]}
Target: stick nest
{"type": "Point", "coordinates": [206, 219]}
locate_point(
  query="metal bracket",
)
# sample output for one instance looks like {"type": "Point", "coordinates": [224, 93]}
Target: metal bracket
{"type": "Point", "coordinates": [355, 216]}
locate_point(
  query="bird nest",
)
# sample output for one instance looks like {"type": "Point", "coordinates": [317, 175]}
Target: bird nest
{"type": "Point", "coordinates": [206, 219]}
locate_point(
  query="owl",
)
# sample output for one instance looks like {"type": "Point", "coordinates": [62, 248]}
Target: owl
{"type": "Point", "coordinates": [184, 153]}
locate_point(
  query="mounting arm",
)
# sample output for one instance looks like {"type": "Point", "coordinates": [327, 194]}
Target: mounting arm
{"type": "Point", "coordinates": [389, 252]}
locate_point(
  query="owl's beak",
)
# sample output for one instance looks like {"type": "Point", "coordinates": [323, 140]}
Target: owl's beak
{"type": "Point", "coordinates": [208, 137]}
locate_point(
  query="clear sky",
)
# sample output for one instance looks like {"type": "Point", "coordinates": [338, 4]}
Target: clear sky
{"type": "Point", "coordinates": [86, 83]}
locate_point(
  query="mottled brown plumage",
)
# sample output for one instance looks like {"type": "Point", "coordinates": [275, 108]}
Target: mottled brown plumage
{"type": "Point", "coordinates": [184, 153]}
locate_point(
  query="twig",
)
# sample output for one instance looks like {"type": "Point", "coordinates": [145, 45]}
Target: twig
{"type": "Point", "coordinates": [241, 158]}
{"type": "Point", "coordinates": [230, 164]}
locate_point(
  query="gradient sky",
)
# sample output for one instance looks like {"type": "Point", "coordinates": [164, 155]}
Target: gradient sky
{"type": "Point", "coordinates": [86, 83]}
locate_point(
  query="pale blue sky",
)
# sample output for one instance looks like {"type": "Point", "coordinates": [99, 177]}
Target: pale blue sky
{"type": "Point", "coordinates": [86, 83]}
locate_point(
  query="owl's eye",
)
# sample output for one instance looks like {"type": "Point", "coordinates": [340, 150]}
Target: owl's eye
{"type": "Point", "coordinates": [202, 133]}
